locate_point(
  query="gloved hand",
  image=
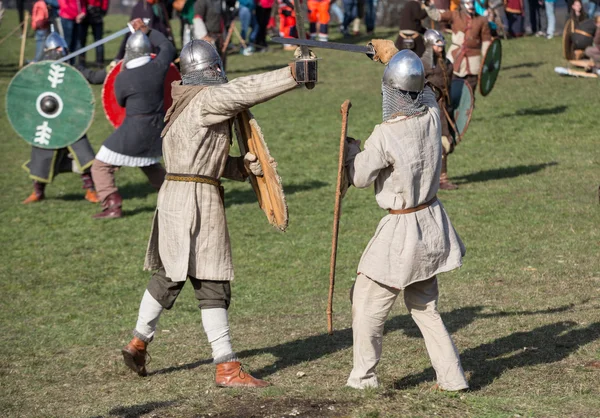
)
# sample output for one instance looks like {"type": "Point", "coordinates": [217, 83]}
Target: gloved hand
{"type": "Point", "coordinates": [353, 143]}
{"type": "Point", "coordinates": [252, 164]}
{"type": "Point", "coordinates": [384, 50]}
{"type": "Point", "coordinates": [138, 24]}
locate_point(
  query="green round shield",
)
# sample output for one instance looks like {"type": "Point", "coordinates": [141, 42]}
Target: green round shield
{"type": "Point", "coordinates": [461, 101]}
{"type": "Point", "coordinates": [50, 105]}
{"type": "Point", "coordinates": [490, 67]}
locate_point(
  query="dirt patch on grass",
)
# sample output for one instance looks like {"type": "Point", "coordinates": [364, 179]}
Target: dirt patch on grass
{"type": "Point", "coordinates": [276, 408]}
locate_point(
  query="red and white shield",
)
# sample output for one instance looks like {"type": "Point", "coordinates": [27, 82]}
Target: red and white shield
{"type": "Point", "coordinates": [115, 113]}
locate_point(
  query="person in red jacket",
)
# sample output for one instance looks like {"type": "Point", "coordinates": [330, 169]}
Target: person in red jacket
{"type": "Point", "coordinates": [72, 13]}
{"type": "Point", "coordinates": [94, 18]}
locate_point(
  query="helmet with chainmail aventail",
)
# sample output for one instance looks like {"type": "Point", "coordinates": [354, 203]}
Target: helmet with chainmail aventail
{"type": "Point", "coordinates": [55, 47]}
{"type": "Point", "coordinates": [138, 45]}
{"type": "Point", "coordinates": [201, 64]}
{"type": "Point", "coordinates": [402, 85]}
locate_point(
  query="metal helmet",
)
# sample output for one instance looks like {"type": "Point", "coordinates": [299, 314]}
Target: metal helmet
{"type": "Point", "coordinates": [402, 85]}
{"type": "Point", "coordinates": [405, 72]}
{"type": "Point", "coordinates": [434, 37]}
{"type": "Point", "coordinates": [200, 64]}
{"type": "Point", "coordinates": [138, 45]}
{"type": "Point", "coordinates": [55, 47]}
{"type": "Point", "coordinates": [468, 5]}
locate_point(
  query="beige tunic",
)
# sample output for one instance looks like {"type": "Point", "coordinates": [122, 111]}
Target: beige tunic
{"type": "Point", "coordinates": [189, 234]}
{"type": "Point", "coordinates": [403, 158]}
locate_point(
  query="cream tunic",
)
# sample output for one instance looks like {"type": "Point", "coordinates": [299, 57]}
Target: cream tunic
{"type": "Point", "coordinates": [403, 158]}
{"type": "Point", "coordinates": [189, 235]}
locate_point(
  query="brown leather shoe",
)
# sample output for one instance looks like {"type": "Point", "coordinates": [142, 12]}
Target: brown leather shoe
{"type": "Point", "coordinates": [134, 355]}
{"type": "Point", "coordinates": [445, 183]}
{"type": "Point", "coordinates": [111, 207]}
{"type": "Point", "coordinates": [91, 196]}
{"type": "Point", "coordinates": [231, 375]}
{"type": "Point", "coordinates": [33, 197]}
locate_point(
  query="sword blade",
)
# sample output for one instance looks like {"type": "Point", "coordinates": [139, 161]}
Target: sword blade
{"type": "Point", "coordinates": [95, 44]}
{"type": "Point", "coordinates": [327, 45]}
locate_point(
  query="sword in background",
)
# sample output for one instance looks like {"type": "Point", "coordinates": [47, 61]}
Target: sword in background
{"type": "Point", "coordinates": [305, 43]}
{"type": "Point", "coordinates": [128, 29]}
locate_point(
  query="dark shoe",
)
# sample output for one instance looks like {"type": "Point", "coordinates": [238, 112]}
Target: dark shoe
{"type": "Point", "coordinates": [134, 355]}
{"type": "Point", "coordinates": [111, 207]}
{"type": "Point", "coordinates": [231, 375]}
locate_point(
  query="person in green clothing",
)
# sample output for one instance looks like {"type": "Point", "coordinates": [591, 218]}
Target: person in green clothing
{"type": "Point", "coordinates": [187, 21]}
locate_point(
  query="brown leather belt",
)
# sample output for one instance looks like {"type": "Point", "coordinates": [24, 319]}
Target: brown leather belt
{"type": "Point", "coordinates": [193, 178]}
{"type": "Point", "coordinates": [415, 209]}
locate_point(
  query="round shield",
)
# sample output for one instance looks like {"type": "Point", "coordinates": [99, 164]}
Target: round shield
{"type": "Point", "coordinates": [568, 48]}
{"type": "Point", "coordinates": [490, 67]}
{"type": "Point", "coordinates": [50, 105]}
{"type": "Point", "coordinates": [461, 101]}
{"type": "Point", "coordinates": [115, 113]}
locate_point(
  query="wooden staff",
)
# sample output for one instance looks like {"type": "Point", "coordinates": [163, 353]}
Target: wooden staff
{"type": "Point", "coordinates": [339, 194]}
{"type": "Point", "coordinates": [23, 39]}
{"type": "Point", "coordinates": [227, 39]}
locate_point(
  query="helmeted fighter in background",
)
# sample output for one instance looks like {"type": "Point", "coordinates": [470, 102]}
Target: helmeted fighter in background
{"type": "Point", "coordinates": [438, 72]}
{"type": "Point", "coordinates": [139, 88]}
{"type": "Point", "coordinates": [415, 241]}
{"type": "Point", "coordinates": [45, 164]}
{"type": "Point", "coordinates": [471, 38]}
{"type": "Point", "coordinates": [189, 237]}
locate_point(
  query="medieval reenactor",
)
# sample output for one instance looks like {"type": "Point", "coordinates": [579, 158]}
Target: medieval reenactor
{"type": "Point", "coordinates": [411, 31]}
{"type": "Point", "coordinates": [139, 88]}
{"type": "Point", "coordinates": [189, 238]}
{"type": "Point", "coordinates": [78, 157]}
{"type": "Point", "coordinates": [438, 72]}
{"type": "Point", "coordinates": [415, 241]}
{"type": "Point", "coordinates": [471, 37]}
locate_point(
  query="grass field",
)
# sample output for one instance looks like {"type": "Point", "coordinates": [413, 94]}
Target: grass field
{"type": "Point", "coordinates": [524, 310]}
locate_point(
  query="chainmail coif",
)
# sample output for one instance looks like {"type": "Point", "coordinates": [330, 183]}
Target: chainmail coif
{"type": "Point", "coordinates": [397, 102]}
{"type": "Point", "coordinates": [205, 77]}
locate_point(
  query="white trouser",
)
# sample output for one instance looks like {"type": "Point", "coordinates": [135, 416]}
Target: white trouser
{"type": "Point", "coordinates": [214, 321]}
{"type": "Point", "coordinates": [371, 305]}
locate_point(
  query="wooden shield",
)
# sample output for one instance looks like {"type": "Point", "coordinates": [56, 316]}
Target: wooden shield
{"type": "Point", "coordinates": [568, 48]}
{"type": "Point", "coordinates": [268, 187]}
{"type": "Point", "coordinates": [115, 113]}
{"type": "Point", "coordinates": [50, 105]}
{"type": "Point", "coordinates": [490, 67]}
{"type": "Point", "coordinates": [461, 101]}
